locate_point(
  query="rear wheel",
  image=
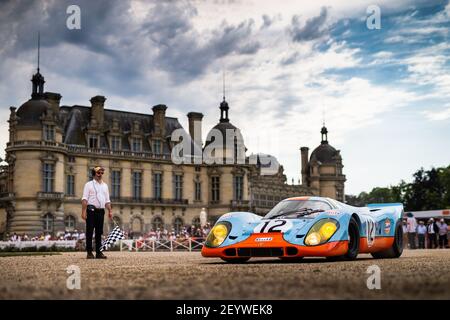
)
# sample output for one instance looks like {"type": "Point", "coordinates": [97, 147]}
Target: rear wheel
{"type": "Point", "coordinates": [396, 249]}
{"type": "Point", "coordinates": [235, 260]}
{"type": "Point", "coordinates": [353, 243]}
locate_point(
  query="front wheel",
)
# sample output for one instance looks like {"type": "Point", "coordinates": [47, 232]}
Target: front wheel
{"type": "Point", "coordinates": [235, 260]}
{"type": "Point", "coordinates": [353, 243]}
{"type": "Point", "coordinates": [396, 249]}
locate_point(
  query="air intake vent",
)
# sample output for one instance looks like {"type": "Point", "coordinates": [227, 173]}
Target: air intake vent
{"type": "Point", "coordinates": [260, 252]}
{"type": "Point", "coordinates": [291, 251]}
{"type": "Point", "coordinates": [230, 252]}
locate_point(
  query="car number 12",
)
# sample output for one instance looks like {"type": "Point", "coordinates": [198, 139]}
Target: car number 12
{"type": "Point", "coordinates": [277, 225]}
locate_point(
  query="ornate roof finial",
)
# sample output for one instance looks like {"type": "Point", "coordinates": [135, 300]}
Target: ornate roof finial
{"type": "Point", "coordinates": [324, 133]}
{"type": "Point", "coordinates": [37, 79]}
{"type": "Point", "coordinates": [39, 49]}
{"type": "Point", "coordinates": [224, 104]}
{"type": "Point", "coordinates": [324, 130]}
{"type": "Point", "coordinates": [223, 80]}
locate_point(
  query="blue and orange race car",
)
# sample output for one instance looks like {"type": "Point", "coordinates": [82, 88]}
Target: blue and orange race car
{"type": "Point", "coordinates": [308, 227]}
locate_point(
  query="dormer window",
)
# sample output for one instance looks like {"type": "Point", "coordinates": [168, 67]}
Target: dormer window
{"type": "Point", "coordinates": [136, 144]}
{"type": "Point", "coordinates": [115, 143]}
{"type": "Point", "coordinates": [157, 147]}
{"type": "Point", "coordinates": [49, 132]}
{"type": "Point", "coordinates": [93, 141]}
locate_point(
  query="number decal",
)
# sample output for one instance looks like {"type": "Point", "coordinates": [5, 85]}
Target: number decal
{"type": "Point", "coordinates": [274, 227]}
{"type": "Point", "coordinates": [264, 226]}
{"type": "Point", "coordinates": [370, 232]}
{"type": "Point", "coordinates": [278, 225]}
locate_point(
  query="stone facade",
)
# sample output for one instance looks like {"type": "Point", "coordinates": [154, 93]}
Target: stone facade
{"type": "Point", "coordinates": [322, 173]}
{"type": "Point", "coordinates": [53, 147]}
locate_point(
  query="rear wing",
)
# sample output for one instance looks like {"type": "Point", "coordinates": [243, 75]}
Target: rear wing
{"type": "Point", "coordinates": [396, 208]}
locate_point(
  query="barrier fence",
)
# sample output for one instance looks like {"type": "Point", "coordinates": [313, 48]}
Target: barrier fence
{"type": "Point", "coordinates": [189, 244]}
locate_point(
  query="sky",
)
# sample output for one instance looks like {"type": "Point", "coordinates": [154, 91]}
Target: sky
{"type": "Point", "coordinates": [289, 66]}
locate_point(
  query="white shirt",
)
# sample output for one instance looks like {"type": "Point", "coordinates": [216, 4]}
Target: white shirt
{"type": "Point", "coordinates": [421, 229]}
{"type": "Point", "coordinates": [411, 224]}
{"type": "Point", "coordinates": [96, 194]}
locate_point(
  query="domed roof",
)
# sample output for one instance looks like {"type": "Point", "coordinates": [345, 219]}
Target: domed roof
{"type": "Point", "coordinates": [325, 153]}
{"type": "Point", "coordinates": [223, 125]}
{"type": "Point", "coordinates": [30, 112]}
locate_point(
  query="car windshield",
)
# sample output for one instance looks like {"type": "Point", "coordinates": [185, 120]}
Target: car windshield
{"type": "Point", "coordinates": [292, 207]}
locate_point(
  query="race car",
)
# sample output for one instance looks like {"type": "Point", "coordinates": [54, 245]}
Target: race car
{"type": "Point", "coordinates": [308, 227]}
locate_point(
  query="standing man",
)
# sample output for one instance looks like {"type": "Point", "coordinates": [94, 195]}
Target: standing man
{"type": "Point", "coordinates": [411, 227]}
{"type": "Point", "coordinates": [443, 231]}
{"type": "Point", "coordinates": [433, 230]}
{"type": "Point", "coordinates": [94, 201]}
{"type": "Point", "coordinates": [421, 232]}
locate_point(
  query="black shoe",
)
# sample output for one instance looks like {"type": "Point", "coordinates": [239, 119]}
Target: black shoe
{"type": "Point", "coordinates": [90, 255]}
{"type": "Point", "coordinates": [100, 255]}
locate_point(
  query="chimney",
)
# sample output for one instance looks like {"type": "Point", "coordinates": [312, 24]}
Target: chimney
{"type": "Point", "coordinates": [304, 157]}
{"type": "Point", "coordinates": [159, 119]}
{"type": "Point", "coordinates": [195, 127]}
{"type": "Point", "coordinates": [97, 110]}
{"type": "Point", "coordinates": [54, 100]}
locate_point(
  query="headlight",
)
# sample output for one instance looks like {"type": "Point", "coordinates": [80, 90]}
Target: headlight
{"type": "Point", "coordinates": [321, 232]}
{"type": "Point", "coordinates": [218, 234]}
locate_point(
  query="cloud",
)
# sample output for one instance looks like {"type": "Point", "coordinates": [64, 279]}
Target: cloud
{"type": "Point", "coordinates": [186, 56]}
{"type": "Point", "coordinates": [314, 28]}
{"type": "Point", "coordinates": [282, 69]}
{"type": "Point", "coordinates": [437, 115]}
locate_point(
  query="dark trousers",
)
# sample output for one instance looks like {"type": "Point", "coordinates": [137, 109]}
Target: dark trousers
{"type": "Point", "coordinates": [412, 240]}
{"type": "Point", "coordinates": [432, 241]}
{"type": "Point", "coordinates": [443, 241]}
{"type": "Point", "coordinates": [421, 238]}
{"type": "Point", "coordinates": [94, 220]}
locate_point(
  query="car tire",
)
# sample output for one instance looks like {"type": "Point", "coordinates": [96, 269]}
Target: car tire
{"type": "Point", "coordinates": [291, 259]}
{"type": "Point", "coordinates": [396, 250]}
{"type": "Point", "coordinates": [353, 243]}
{"type": "Point", "coordinates": [235, 260]}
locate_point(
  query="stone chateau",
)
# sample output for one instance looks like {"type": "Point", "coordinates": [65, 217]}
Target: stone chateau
{"type": "Point", "coordinates": [52, 148]}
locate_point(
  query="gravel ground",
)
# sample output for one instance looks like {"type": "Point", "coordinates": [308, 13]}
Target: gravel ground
{"type": "Point", "coordinates": [418, 274]}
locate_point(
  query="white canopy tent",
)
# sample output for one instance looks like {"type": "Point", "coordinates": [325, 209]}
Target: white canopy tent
{"type": "Point", "coordinates": [436, 214]}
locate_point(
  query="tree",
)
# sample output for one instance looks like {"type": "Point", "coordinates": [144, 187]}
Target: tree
{"type": "Point", "coordinates": [430, 190]}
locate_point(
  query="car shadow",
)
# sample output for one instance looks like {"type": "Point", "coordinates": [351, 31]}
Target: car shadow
{"type": "Point", "coordinates": [278, 261]}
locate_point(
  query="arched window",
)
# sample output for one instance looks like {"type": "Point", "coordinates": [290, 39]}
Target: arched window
{"type": "Point", "coordinates": [136, 226]}
{"type": "Point", "coordinates": [196, 222]}
{"type": "Point", "coordinates": [70, 223]}
{"type": "Point", "coordinates": [157, 223]}
{"type": "Point", "coordinates": [178, 225]}
{"type": "Point", "coordinates": [48, 223]}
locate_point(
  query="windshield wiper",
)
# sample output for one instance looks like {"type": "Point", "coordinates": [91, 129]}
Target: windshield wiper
{"type": "Point", "coordinates": [301, 212]}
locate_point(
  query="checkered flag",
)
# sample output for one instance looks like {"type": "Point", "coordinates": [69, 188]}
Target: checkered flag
{"type": "Point", "coordinates": [116, 234]}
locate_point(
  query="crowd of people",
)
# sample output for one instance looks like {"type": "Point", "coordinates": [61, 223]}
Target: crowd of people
{"type": "Point", "coordinates": [423, 234]}
{"type": "Point", "coordinates": [184, 232]}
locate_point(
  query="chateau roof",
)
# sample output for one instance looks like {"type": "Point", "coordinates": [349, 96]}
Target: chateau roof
{"type": "Point", "coordinates": [75, 120]}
